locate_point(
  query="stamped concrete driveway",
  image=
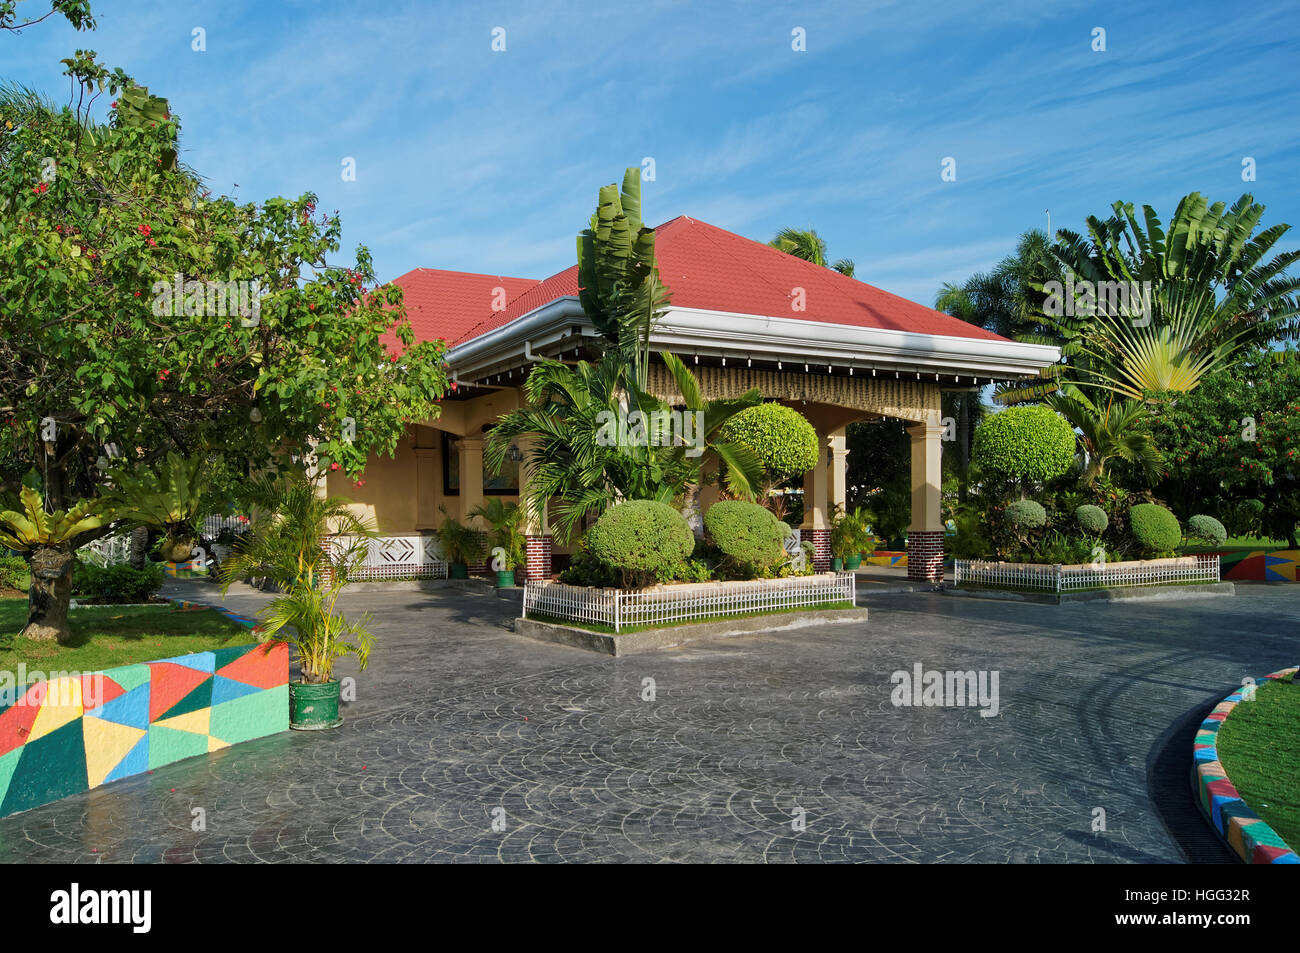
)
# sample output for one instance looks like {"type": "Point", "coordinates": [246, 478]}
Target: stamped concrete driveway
{"type": "Point", "coordinates": [460, 725]}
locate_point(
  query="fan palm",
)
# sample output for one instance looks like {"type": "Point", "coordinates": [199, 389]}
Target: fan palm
{"type": "Point", "coordinates": [1216, 288]}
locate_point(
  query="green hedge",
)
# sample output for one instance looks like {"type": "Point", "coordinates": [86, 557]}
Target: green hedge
{"type": "Point", "coordinates": [749, 536]}
{"type": "Point", "coordinates": [781, 437]}
{"type": "Point", "coordinates": [14, 573]}
{"type": "Point", "coordinates": [117, 583]}
{"type": "Point", "coordinates": [1091, 519]}
{"type": "Point", "coordinates": [1154, 527]}
{"type": "Point", "coordinates": [1032, 443]}
{"type": "Point", "coordinates": [642, 539]}
{"type": "Point", "coordinates": [1206, 529]}
{"type": "Point", "coordinates": [1026, 515]}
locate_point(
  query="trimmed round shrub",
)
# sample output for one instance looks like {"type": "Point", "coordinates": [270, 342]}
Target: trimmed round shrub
{"type": "Point", "coordinates": [1154, 527]}
{"type": "Point", "coordinates": [781, 437]}
{"type": "Point", "coordinates": [750, 537]}
{"type": "Point", "coordinates": [1091, 519]}
{"type": "Point", "coordinates": [1032, 443]}
{"type": "Point", "coordinates": [1207, 529]}
{"type": "Point", "coordinates": [1025, 515]}
{"type": "Point", "coordinates": [641, 539]}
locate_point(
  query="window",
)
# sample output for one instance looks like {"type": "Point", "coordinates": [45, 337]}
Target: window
{"type": "Point", "coordinates": [505, 483]}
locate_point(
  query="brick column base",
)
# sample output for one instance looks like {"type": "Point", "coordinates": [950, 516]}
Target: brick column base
{"type": "Point", "coordinates": [538, 565]}
{"type": "Point", "coordinates": [925, 555]}
{"type": "Point", "coordinates": [821, 540]}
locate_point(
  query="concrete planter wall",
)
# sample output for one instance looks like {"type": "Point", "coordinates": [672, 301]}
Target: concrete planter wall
{"type": "Point", "coordinates": [76, 732]}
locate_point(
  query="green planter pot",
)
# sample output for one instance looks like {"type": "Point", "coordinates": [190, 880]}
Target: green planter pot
{"type": "Point", "coordinates": [837, 564]}
{"type": "Point", "coordinates": [853, 562]}
{"type": "Point", "coordinates": [505, 578]}
{"type": "Point", "coordinates": [314, 707]}
{"type": "Point", "coordinates": [459, 571]}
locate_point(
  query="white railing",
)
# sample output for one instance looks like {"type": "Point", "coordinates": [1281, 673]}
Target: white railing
{"type": "Point", "coordinates": [392, 557]}
{"type": "Point", "coordinates": [107, 550]}
{"type": "Point", "coordinates": [662, 605]}
{"type": "Point", "coordinates": [212, 525]}
{"type": "Point", "coordinates": [1039, 577]}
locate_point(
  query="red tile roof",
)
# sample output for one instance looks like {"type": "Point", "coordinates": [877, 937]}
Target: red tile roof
{"type": "Point", "coordinates": [704, 267]}
{"type": "Point", "coordinates": [447, 304]}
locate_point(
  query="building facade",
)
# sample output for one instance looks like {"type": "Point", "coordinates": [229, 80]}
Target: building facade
{"type": "Point", "coordinates": [742, 315]}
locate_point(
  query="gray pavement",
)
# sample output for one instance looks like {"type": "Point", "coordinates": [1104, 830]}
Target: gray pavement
{"type": "Point", "coordinates": [459, 723]}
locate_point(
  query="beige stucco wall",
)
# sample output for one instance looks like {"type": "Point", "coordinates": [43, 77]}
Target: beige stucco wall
{"type": "Point", "coordinates": [403, 493]}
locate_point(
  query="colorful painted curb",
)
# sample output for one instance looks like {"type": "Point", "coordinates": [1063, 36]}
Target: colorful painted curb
{"type": "Point", "coordinates": [73, 732]}
{"type": "Point", "coordinates": [1260, 565]}
{"type": "Point", "coordinates": [1244, 831]}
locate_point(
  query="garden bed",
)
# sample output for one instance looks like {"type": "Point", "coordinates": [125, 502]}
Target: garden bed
{"type": "Point", "coordinates": [659, 606]}
{"type": "Point", "coordinates": [1246, 773]}
{"type": "Point", "coordinates": [1198, 570]}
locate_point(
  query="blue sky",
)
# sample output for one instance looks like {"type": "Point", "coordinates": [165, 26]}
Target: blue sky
{"type": "Point", "coordinates": [490, 161]}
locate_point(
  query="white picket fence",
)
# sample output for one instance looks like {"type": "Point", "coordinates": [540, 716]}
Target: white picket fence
{"type": "Point", "coordinates": [392, 557]}
{"type": "Point", "coordinates": [1183, 570]}
{"type": "Point", "coordinates": [663, 605]}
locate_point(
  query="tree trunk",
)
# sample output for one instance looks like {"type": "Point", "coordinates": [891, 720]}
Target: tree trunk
{"type": "Point", "coordinates": [51, 590]}
{"type": "Point", "coordinates": [139, 547]}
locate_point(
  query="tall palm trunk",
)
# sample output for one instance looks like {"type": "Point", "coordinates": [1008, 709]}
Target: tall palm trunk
{"type": "Point", "coordinates": [139, 547]}
{"type": "Point", "coordinates": [50, 593]}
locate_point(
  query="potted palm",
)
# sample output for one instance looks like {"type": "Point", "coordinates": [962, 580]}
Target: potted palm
{"type": "Point", "coordinates": [849, 537]}
{"type": "Point", "coordinates": [509, 547]}
{"type": "Point", "coordinates": [308, 546]}
{"type": "Point", "coordinates": [461, 545]}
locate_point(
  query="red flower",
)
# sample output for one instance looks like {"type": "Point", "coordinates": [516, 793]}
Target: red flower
{"type": "Point", "coordinates": [144, 229]}
{"type": "Point", "coordinates": [334, 466]}
{"type": "Point", "coordinates": [137, 294]}
{"type": "Point", "coordinates": [41, 189]}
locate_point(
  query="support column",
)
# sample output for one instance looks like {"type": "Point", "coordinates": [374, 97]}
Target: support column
{"type": "Point", "coordinates": [471, 475]}
{"type": "Point", "coordinates": [471, 486]}
{"type": "Point", "coordinates": [925, 534]}
{"type": "Point", "coordinates": [838, 475]}
{"type": "Point", "coordinates": [537, 528]}
{"type": "Point", "coordinates": [816, 526]}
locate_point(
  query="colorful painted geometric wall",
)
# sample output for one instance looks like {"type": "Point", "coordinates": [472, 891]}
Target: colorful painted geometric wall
{"type": "Point", "coordinates": [71, 734]}
{"type": "Point", "coordinates": [1260, 565]}
{"type": "Point", "coordinates": [1250, 837]}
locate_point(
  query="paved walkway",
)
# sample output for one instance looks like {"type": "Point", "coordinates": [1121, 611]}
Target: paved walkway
{"type": "Point", "coordinates": [458, 722]}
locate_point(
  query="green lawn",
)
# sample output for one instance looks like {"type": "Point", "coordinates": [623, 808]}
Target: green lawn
{"type": "Point", "coordinates": [1258, 750]}
{"type": "Point", "coordinates": [609, 629]}
{"type": "Point", "coordinates": [105, 637]}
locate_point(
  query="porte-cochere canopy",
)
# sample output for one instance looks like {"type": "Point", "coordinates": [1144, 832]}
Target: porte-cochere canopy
{"type": "Point", "coordinates": [742, 315]}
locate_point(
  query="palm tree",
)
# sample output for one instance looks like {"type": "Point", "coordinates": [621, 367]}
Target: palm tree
{"type": "Point", "coordinates": [578, 459]}
{"type": "Point", "coordinates": [805, 243]}
{"type": "Point", "coordinates": [1214, 291]}
{"type": "Point", "coordinates": [298, 537]}
{"type": "Point", "coordinates": [1116, 430]}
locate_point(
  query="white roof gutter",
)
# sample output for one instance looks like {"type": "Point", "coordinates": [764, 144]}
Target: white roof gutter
{"type": "Point", "coordinates": [693, 331]}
